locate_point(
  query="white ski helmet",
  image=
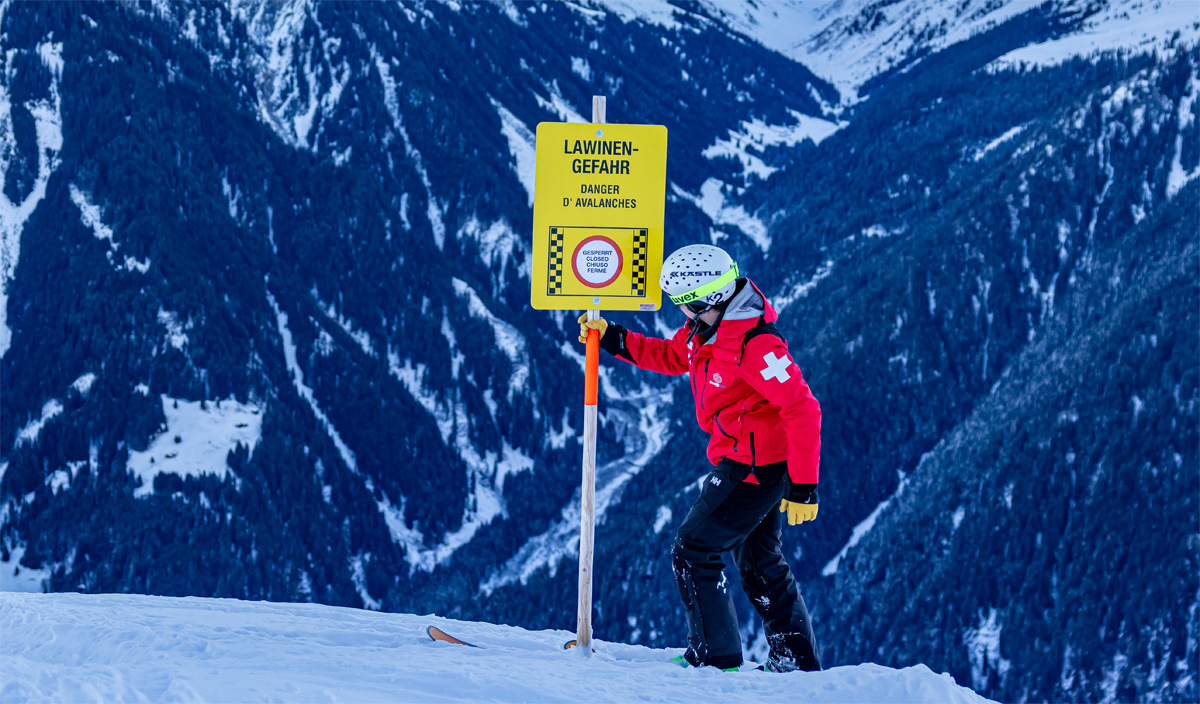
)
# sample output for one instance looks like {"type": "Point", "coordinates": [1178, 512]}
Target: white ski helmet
{"type": "Point", "coordinates": [699, 273]}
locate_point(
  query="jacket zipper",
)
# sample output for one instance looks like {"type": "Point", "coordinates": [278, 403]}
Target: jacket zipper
{"type": "Point", "coordinates": [705, 387]}
{"type": "Point", "coordinates": [752, 462]}
{"type": "Point", "coordinates": [735, 440]}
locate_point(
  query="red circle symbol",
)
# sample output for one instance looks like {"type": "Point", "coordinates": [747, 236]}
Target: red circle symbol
{"type": "Point", "coordinates": [588, 281]}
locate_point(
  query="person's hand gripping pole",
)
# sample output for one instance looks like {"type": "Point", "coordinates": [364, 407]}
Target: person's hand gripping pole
{"type": "Point", "coordinates": [589, 322]}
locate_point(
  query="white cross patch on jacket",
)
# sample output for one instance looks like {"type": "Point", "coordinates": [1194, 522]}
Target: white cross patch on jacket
{"type": "Point", "coordinates": [776, 367]}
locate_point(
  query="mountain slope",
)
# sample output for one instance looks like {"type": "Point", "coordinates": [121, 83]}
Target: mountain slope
{"type": "Point", "coordinates": [1074, 576]}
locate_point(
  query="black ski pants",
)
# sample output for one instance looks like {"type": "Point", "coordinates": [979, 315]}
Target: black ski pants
{"type": "Point", "coordinates": [735, 516]}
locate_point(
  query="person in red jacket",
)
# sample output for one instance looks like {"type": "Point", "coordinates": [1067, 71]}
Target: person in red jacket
{"type": "Point", "coordinates": [765, 428]}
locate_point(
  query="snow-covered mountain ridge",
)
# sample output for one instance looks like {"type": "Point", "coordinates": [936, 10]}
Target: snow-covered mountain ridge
{"type": "Point", "coordinates": [849, 42]}
{"type": "Point", "coordinates": [104, 648]}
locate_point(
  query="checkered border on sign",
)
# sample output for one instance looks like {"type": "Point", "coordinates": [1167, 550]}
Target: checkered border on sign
{"type": "Point", "coordinates": [554, 281]}
{"type": "Point", "coordinates": [641, 242]}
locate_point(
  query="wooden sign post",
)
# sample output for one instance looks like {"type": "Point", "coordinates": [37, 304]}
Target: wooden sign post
{"type": "Point", "coordinates": [598, 209]}
{"type": "Point", "coordinates": [587, 496]}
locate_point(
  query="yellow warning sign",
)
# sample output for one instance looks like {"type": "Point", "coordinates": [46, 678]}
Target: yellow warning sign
{"type": "Point", "coordinates": [598, 207]}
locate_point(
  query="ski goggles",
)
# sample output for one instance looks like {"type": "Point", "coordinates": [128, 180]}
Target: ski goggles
{"type": "Point", "coordinates": [707, 289]}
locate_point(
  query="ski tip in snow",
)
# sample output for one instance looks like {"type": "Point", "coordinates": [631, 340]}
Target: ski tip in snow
{"type": "Point", "coordinates": [438, 634]}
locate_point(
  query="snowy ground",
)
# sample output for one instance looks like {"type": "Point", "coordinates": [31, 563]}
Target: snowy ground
{"type": "Point", "coordinates": [116, 648]}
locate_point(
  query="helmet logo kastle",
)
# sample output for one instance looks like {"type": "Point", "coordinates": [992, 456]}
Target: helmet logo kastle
{"type": "Point", "coordinates": [699, 273]}
{"type": "Point", "coordinates": [711, 292]}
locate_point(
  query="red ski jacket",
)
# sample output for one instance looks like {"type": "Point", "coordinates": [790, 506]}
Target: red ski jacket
{"type": "Point", "coordinates": [749, 393]}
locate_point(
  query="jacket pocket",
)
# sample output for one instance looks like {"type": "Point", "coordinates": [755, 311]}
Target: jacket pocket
{"type": "Point", "coordinates": [717, 487]}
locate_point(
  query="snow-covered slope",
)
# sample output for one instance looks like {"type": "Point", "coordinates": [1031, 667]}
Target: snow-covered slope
{"type": "Point", "coordinates": [1121, 25]}
{"type": "Point", "coordinates": [844, 41]}
{"type": "Point", "coordinates": [847, 42]}
{"type": "Point", "coordinates": [106, 648]}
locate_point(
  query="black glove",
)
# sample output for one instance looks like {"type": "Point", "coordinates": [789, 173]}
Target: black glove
{"type": "Point", "coordinates": [613, 342]}
{"type": "Point", "coordinates": [801, 493]}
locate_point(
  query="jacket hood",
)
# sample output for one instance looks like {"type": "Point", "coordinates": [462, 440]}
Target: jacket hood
{"type": "Point", "coordinates": [747, 303]}
{"type": "Point", "coordinates": [742, 314]}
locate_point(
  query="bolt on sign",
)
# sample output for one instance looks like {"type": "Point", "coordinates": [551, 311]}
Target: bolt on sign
{"type": "Point", "coordinates": [598, 207]}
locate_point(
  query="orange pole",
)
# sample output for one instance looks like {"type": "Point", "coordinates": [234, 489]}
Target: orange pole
{"type": "Point", "coordinates": [587, 496]}
{"type": "Point", "coordinates": [591, 369]}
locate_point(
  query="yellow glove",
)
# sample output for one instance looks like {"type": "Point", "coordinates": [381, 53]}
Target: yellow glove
{"type": "Point", "coordinates": [797, 513]}
{"type": "Point", "coordinates": [599, 324]}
